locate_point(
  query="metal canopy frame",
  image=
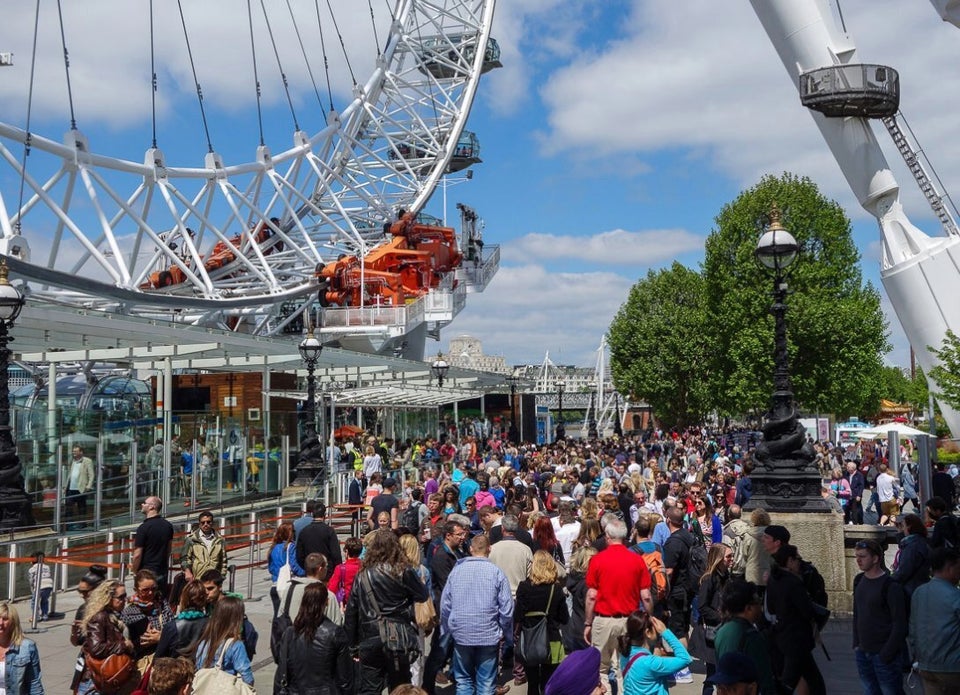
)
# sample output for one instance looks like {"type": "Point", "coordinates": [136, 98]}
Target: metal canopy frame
{"type": "Point", "coordinates": [45, 334]}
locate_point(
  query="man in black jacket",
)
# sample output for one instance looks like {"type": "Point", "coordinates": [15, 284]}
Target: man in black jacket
{"type": "Point", "coordinates": [857, 485]}
{"type": "Point", "coordinates": [318, 537]}
{"type": "Point", "coordinates": [441, 565]}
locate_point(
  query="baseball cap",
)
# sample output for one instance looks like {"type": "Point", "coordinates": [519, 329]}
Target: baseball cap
{"type": "Point", "coordinates": [777, 533]}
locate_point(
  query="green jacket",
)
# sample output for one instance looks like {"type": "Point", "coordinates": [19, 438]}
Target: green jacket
{"type": "Point", "coordinates": [197, 558]}
{"type": "Point", "coordinates": [738, 635]}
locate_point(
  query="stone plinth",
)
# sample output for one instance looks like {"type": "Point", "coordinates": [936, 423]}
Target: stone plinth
{"type": "Point", "coordinates": [819, 538]}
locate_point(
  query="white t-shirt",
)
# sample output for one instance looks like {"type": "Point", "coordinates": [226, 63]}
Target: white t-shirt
{"type": "Point", "coordinates": [885, 486]}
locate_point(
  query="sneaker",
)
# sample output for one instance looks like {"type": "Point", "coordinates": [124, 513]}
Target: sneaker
{"type": "Point", "coordinates": [684, 676]}
{"type": "Point", "coordinates": [443, 680]}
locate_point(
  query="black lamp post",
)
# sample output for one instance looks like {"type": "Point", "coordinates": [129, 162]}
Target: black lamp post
{"type": "Point", "coordinates": [439, 368]}
{"type": "Point", "coordinates": [617, 425]}
{"type": "Point", "coordinates": [513, 435]}
{"type": "Point", "coordinates": [592, 432]}
{"type": "Point", "coordinates": [561, 429]}
{"type": "Point", "coordinates": [785, 478]}
{"type": "Point", "coordinates": [310, 459]}
{"type": "Point", "coordinates": [15, 510]}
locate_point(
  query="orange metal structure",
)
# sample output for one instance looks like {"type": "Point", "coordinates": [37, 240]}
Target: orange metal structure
{"type": "Point", "coordinates": [413, 261]}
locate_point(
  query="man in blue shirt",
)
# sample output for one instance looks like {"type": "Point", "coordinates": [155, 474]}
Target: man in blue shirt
{"type": "Point", "coordinates": [483, 614]}
{"type": "Point", "coordinates": [935, 624]}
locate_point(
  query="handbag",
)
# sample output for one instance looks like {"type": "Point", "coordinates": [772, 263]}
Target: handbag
{"type": "Point", "coordinates": [710, 633]}
{"type": "Point", "coordinates": [215, 681]}
{"type": "Point", "coordinates": [341, 592]}
{"type": "Point", "coordinates": [110, 673]}
{"type": "Point", "coordinates": [425, 615]}
{"type": "Point", "coordinates": [534, 641]}
{"type": "Point", "coordinates": [397, 635]}
{"type": "Point", "coordinates": [285, 575]}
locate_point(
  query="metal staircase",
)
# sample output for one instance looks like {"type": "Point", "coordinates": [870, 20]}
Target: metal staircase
{"type": "Point", "coordinates": [919, 165]}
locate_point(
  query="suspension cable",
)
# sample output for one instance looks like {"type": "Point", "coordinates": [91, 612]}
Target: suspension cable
{"type": "Point", "coordinates": [303, 50]}
{"type": "Point", "coordinates": [153, 79]}
{"type": "Point", "coordinates": [326, 60]}
{"type": "Point", "coordinates": [373, 22]}
{"type": "Point", "coordinates": [66, 67]}
{"type": "Point", "coordinates": [29, 138]}
{"type": "Point", "coordinates": [256, 74]}
{"type": "Point", "coordinates": [193, 69]}
{"type": "Point", "coordinates": [343, 45]}
{"type": "Point", "coordinates": [283, 75]}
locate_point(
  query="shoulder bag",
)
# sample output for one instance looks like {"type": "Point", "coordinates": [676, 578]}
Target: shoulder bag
{"type": "Point", "coordinates": [397, 636]}
{"type": "Point", "coordinates": [215, 681]}
{"type": "Point", "coordinates": [534, 640]}
{"type": "Point", "coordinates": [425, 615]}
{"type": "Point", "coordinates": [286, 572]}
{"type": "Point", "coordinates": [110, 673]}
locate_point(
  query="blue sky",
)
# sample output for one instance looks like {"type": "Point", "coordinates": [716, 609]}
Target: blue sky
{"type": "Point", "coordinates": [612, 136]}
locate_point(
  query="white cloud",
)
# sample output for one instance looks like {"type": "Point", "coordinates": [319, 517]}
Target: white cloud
{"type": "Point", "coordinates": [527, 310]}
{"type": "Point", "coordinates": [617, 247]}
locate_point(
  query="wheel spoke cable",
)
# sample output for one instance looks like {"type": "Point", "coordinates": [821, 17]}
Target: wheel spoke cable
{"type": "Point", "coordinates": [153, 79]}
{"type": "Point", "coordinates": [66, 67]}
{"type": "Point", "coordinates": [373, 23]}
{"type": "Point", "coordinates": [326, 59]}
{"type": "Point", "coordinates": [303, 50]}
{"type": "Point", "coordinates": [283, 75]}
{"type": "Point", "coordinates": [27, 139]}
{"type": "Point", "coordinates": [343, 45]}
{"type": "Point", "coordinates": [193, 69]}
{"type": "Point", "coordinates": [256, 74]}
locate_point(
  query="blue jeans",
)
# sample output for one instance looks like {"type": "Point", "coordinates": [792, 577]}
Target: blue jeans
{"type": "Point", "coordinates": [878, 678]}
{"type": "Point", "coordinates": [475, 669]}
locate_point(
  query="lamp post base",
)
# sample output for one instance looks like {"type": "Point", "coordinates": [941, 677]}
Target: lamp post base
{"type": "Point", "coordinates": [15, 509]}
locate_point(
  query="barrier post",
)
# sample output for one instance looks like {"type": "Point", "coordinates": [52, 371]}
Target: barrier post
{"type": "Point", "coordinates": [55, 572]}
{"type": "Point", "coordinates": [58, 510]}
{"type": "Point", "coordinates": [12, 572]}
{"type": "Point", "coordinates": [110, 540]}
{"type": "Point", "coordinates": [35, 593]}
{"type": "Point", "coordinates": [98, 494]}
{"type": "Point", "coordinates": [253, 543]}
{"type": "Point", "coordinates": [64, 551]}
{"type": "Point", "coordinates": [232, 574]}
{"type": "Point", "coordinates": [123, 559]}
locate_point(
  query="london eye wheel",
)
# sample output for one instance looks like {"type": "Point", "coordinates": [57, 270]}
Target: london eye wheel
{"type": "Point", "coordinates": [226, 242]}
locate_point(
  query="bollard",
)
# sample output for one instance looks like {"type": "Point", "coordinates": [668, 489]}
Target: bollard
{"type": "Point", "coordinates": [53, 594]}
{"type": "Point", "coordinates": [12, 572]}
{"type": "Point", "coordinates": [110, 540]}
{"type": "Point", "coordinates": [253, 544]}
{"type": "Point", "coordinates": [35, 592]}
{"type": "Point", "coordinates": [232, 574]}
{"type": "Point", "coordinates": [123, 560]}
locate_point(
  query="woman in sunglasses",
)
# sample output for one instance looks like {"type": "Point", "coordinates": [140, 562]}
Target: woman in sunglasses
{"type": "Point", "coordinates": [104, 632]}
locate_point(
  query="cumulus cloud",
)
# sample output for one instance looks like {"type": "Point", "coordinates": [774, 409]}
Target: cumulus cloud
{"type": "Point", "coordinates": [528, 310]}
{"type": "Point", "coordinates": [617, 247]}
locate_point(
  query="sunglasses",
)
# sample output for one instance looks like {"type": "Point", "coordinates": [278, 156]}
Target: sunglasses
{"type": "Point", "coordinates": [121, 597]}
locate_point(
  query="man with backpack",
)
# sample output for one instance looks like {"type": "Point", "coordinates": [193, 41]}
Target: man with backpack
{"type": "Point", "coordinates": [737, 535]}
{"type": "Point", "coordinates": [652, 554]}
{"type": "Point", "coordinates": [684, 579]}
{"type": "Point", "coordinates": [944, 533]}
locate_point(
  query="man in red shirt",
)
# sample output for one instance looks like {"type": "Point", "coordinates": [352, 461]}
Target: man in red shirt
{"type": "Point", "coordinates": [617, 583]}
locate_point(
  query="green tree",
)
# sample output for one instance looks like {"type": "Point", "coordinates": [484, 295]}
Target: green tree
{"type": "Point", "coordinates": [836, 330]}
{"type": "Point", "coordinates": [896, 385]}
{"type": "Point", "coordinates": [947, 374]}
{"type": "Point", "coordinates": [658, 345]}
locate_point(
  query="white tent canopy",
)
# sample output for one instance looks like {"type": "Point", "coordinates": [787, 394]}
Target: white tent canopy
{"type": "Point", "coordinates": [881, 431]}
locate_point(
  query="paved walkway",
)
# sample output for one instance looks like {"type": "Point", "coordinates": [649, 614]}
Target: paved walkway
{"type": "Point", "coordinates": [58, 656]}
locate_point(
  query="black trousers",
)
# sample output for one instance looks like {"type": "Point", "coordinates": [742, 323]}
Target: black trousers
{"type": "Point", "coordinates": [435, 660]}
{"type": "Point", "coordinates": [379, 671]}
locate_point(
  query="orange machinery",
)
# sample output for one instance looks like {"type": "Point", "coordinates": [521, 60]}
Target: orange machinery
{"type": "Point", "coordinates": [412, 262]}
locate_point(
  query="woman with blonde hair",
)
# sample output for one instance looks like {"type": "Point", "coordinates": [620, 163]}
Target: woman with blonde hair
{"type": "Point", "coordinates": [104, 632]}
{"type": "Point", "coordinates": [590, 533]}
{"type": "Point", "coordinates": [576, 583]}
{"type": "Point", "coordinates": [19, 658]}
{"type": "Point", "coordinates": [542, 594]}
{"type": "Point", "coordinates": [719, 561]}
{"type": "Point", "coordinates": [411, 548]}
{"type": "Point", "coordinates": [589, 509]}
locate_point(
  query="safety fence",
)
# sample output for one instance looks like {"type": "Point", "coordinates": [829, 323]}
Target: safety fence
{"type": "Point", "coordinates": [245, 536]}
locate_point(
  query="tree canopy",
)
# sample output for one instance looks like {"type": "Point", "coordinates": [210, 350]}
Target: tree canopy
{"type": "Point", "coordinates": [658, 345]}
{"type": "Point", "coordinates": [690, 342]}
{"type": "Point", "coordinates": [836, 330]}
{"type": "Point", "coordinates": [947, 374]}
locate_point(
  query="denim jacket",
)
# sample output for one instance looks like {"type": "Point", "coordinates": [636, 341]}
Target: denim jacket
{"type": "Point", "coordinates": [22, 665]}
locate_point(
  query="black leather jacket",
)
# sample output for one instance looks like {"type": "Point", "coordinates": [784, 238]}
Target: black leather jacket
{"type": "Point", "coordinates": [321, 666]}
{"type": "Point", "coordinates": [395, 598]}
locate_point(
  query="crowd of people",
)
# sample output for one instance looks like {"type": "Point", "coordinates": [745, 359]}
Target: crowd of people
{"type": "Point", "coordinates": [579, 567]}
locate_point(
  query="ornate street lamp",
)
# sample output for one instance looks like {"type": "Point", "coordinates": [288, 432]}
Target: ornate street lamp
{"type": "Point", "coordinates": [561, 429]}
{"type": "Point", "coordinates": [310, 458]}
{"type": "Point", "coordinates": [439, 368]}
{"type": "Point", "coordinates": [785, 477]}
{"type": "Point", "coordinates": [15, 510]}
{"type": "Point", "coordinates": [513, 435]}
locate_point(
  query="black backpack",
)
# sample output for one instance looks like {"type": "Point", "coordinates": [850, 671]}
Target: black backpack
{"type": "Point", "coordinates": [696, 567]}
{"type": "Point", "coordinates": [410, 519]}
{"type": "Point", "coordinates": [280, 623]}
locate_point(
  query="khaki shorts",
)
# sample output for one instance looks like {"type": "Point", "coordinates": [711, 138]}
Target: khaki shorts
{"type": "Point", "coordinates": [891, 508]}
